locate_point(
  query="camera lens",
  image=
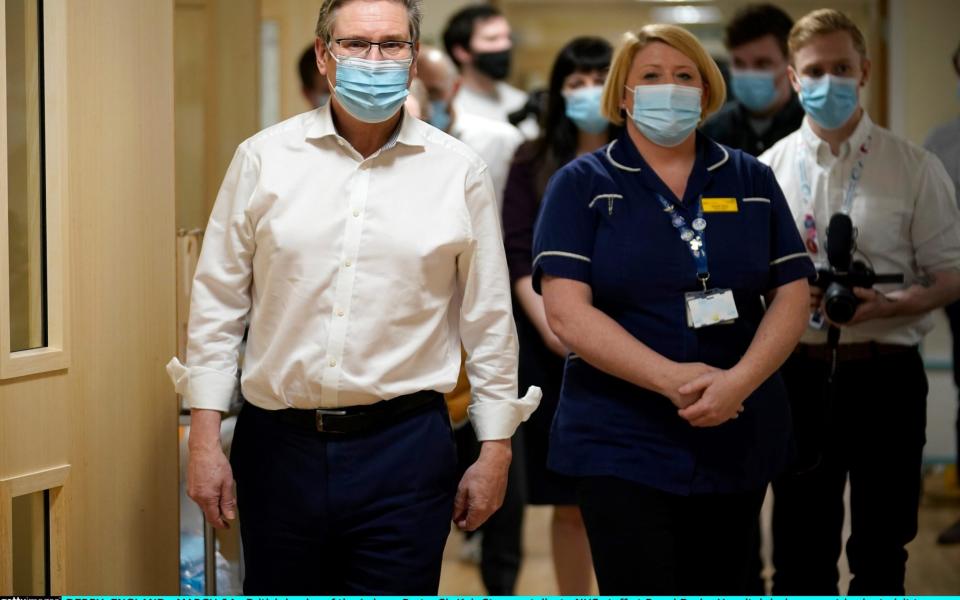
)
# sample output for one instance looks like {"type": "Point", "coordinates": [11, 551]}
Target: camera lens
{"type": "Point", "coordinates": [840, 303]}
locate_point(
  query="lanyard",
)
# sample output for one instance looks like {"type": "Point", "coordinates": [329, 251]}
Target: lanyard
{"type": "Point", "coordinates": [692, 235]}
{"type": "Point", "coordinates": [809, 219]}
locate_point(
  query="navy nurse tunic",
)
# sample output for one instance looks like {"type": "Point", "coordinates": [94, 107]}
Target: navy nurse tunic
{"type": "Point", "coordinates": [601, 223]}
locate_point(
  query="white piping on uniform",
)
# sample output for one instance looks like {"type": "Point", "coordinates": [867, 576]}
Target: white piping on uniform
{"type": "Point", "coordinates": [726, 157]}
{"type": "Point", "coordinates": [563, 254]}
{"type": "Point", "coordinates": [618, 165]}
{"type": "Point", "coordinates": [765, 200]}
{"type": "Point", "coordinates": [602, 196]}
{"type": "Point", "coordinates": [784, 259]}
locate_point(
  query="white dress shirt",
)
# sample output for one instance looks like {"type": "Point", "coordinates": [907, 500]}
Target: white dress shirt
{"type": "Point", "coordinates": [495, 142]}
{"type": "Point", "coordinates": [904, 209]}
{"type": "Point", "coordinates": [497, 106]}
{"type": "Point", "coordinates": [360, 277]}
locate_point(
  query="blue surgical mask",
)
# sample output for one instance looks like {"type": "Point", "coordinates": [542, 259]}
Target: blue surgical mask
{"type": "Point", "coordinates": [666, 114]}
{"type": "Point", "coordinates": [583, 108]}
{"type": "Point", "coordinates": [829, 100]}
{"type": "Point", "coordinates": [372, 91]}
{"type": "Point", "coordinates": [756, 90]}
{"type": "Point", "coordinates": [440, 114]}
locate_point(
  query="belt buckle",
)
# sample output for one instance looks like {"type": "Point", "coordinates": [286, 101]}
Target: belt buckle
{"type": "Point", "coordinates": [328, 412]}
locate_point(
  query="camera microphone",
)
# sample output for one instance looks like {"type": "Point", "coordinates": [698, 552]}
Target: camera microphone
{"type": "Point", "coordinates": [840, 242]}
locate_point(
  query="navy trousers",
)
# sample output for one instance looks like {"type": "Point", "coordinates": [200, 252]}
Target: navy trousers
{"type": "Point", "coordinates": [344, 515]}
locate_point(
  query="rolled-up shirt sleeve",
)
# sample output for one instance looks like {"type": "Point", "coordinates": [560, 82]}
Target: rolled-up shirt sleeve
{"type": "Point", "coordinates": [789, 259]}
{"type": "Point", "coordinates": [566, 227]}
{"type": "Point", "coordinates": [487, 329]}
{"type": "Point", "coordinates": [220, 296]}
{"type": "Point", "coordinates": [936, 219]}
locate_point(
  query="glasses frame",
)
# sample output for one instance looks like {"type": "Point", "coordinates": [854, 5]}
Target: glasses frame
{"type": "Point", "coordinates": [370, 45]}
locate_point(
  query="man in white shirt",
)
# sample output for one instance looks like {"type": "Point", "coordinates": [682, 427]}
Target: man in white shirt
{"type": "Point", "coordinates": [364, 247]}
{"type": "Point", "coordinates": [478, 40]}
{"type": "Point", "coordinates": [944, 141]}
{"type": "Point", "coordinates": [495, 141]}
{"type": "Point", "coordinates": [859, 409]}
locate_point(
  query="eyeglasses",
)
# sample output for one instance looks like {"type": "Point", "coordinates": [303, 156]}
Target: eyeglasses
{"type": "Point", "coordinates": [389, 49]}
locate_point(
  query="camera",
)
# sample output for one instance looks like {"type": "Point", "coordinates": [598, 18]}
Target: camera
{"type": "Point", "coordinates": [844, 274]}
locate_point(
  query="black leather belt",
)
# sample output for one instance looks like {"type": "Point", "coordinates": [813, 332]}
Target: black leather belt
{"type": "Point", "coordinates": [360, 419]}
{"type": "Point", "coordinates": [845, 352]}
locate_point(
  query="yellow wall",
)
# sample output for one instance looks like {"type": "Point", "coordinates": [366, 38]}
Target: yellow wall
{"type": "Point", "coordinates": [923, 84]}
{"type": "Point", "coordinates": [112, 415]}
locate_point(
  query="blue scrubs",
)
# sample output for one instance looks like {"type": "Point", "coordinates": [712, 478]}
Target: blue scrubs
{"type": "Point", "coordinates": [601, 223]}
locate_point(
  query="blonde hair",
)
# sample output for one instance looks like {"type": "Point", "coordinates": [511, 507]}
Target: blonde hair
{"type": "Point", "coordinates": [677, 38]}
{"type": "Point", "coordinates": [822, 22]}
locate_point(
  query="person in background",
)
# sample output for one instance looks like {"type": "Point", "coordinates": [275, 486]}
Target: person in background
{"type": "Point", "coordinates": [365, 247]}
{"type": "Point", "coordinates": [764, 108]}
{"type": "Point", "coordinates": [478, 40]}
{"type": "Point", "coordinates": [574, 126]}
{"type": "Point", "coordinates": [417, 102]}
{"type": "Point", "coordinates": [944, 141]}
{"type": "Point", "coordinates": [858, 401]}
{"type": "Point", "coordinates": [671, 269]}
{"type": "Point", "coordinates": [313, 87]}
{"type": "Point", "coordinates": [495, 142]}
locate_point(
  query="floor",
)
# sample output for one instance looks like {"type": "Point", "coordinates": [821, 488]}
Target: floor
{"type": "Point", "coordinates": [931, 570]}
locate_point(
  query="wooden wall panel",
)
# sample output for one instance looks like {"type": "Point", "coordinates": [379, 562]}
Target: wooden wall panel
{"type": "Point", "coordinates": [112, 415]}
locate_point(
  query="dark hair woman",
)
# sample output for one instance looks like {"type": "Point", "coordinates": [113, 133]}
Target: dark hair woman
{"type": "Point", "coordinates": [572, 126]}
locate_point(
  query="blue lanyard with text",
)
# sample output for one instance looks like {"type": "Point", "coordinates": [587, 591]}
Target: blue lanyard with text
{"type": "Point", "coordinates": [692, 235]}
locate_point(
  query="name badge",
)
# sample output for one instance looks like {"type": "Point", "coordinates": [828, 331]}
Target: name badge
{"type": "Point", "coordinates": [713, 307]}
{"type": "Point", "coordinates": [720, 205]}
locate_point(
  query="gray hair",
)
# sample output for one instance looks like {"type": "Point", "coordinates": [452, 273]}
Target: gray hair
{"type": "Point", "coordinates": [329, 11]}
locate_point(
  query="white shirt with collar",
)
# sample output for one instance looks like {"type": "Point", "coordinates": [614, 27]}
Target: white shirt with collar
{"type": "Point", "coordinates": [495, 142]}
{"type": "Point", "coordinates": [361, 277]}
{"type": "Point", "coordinates": [497, 106]}
{"type": "Point", "coordinates": [904, 209]}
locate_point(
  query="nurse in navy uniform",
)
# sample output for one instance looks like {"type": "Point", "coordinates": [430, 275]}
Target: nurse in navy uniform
{"type": "Point", "coordinates": [672, 269]}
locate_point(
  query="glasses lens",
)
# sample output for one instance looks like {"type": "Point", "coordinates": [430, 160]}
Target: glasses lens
{"type": "Point", "coordinates": [355, 47]}
{"type": "Point", "coordinates": [395, 49]}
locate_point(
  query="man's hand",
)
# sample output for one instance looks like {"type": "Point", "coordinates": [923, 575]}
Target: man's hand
{"type": "Point", "coordinates": [483, 486]}
{"type": "Point", "coordinates": [723, 393]}
{"type": "Point", "coordinates": [816, 299]}
{"type": "Point", "coordinates": [209, 476]}
{"type": "Point", "coordinates": [676, 379]}
{"type": "Point", "coordinates": [873, 305]}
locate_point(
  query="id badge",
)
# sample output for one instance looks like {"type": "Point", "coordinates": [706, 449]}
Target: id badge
{"type": "Point", "coordinates": [713, 307]}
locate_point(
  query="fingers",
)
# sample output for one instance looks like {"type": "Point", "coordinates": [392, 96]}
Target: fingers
{"type": "Point", "coordinates": [865, 294]}
{"type": "Point", "coordinates": [460, 504]}
{"type": "Point", "coordinates": [699, 384]}
{"type": "Point", "coordinates": [228, 499]}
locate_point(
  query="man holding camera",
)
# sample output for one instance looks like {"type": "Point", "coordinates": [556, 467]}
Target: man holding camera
{"type": "Point", "coordinates": [858, 401]}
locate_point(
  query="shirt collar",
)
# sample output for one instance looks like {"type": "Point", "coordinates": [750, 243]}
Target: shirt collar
{"type": "Point", "coordinates": [623, 154]}
{"type": "Point", "coordinates": [320, 125]}
{"type": "Point", "coordinates": [821, 149]}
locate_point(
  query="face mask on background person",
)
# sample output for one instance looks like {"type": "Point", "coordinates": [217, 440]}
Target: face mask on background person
{"type": "Point", "coordinates": [829, 100]}
{"type": "Point", "coordinates": [757, 90]}
{"type": "Point", "coordinates": [372, 91]}
{"type": "Point", "coordinates": [666, 113]}
{"type": "Point", "coordinates": [440, 115]}
{"type": "Point", "coordinates": [495, 65]}
{"type": "Point", "coordinates": [583, 108]}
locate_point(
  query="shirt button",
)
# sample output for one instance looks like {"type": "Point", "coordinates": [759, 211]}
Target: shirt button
{"type": "Point", "coordinates": [348, 264]}
{"type": "Point", "coordinates": [333, 362]}
{"type": "Point", "coordinates": [340, 313]}
{"type": "Point", "coordinates": [356, 213]}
